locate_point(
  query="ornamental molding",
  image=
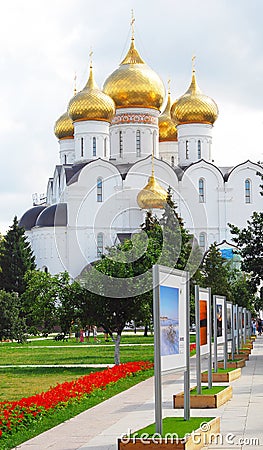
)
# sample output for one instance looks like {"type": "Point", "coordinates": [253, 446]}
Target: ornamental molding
{"type": "Point", "coordinates": [128, 118]}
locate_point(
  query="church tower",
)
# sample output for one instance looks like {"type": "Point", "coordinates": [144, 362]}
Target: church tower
{"type": "Point", "coordinates": [91, 111]}
{"type": "Point", "coordinates": [138, 93]}
{"type": "Point", "coordinates": [195, 114]}
{"type": "Point", "coordinates": [168, 141]}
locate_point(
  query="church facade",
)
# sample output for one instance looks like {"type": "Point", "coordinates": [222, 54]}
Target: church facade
{"type": "Point", "coordinates": [119, 154]}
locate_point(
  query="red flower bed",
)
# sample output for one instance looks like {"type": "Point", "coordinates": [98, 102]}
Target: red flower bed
{"type": "Point", "coordinates": [192, 347]}
{"type": "Point", "coordinates": [27, 409]}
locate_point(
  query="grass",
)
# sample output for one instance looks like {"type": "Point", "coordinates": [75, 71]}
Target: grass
{"type": "Point", "coordinates": [208, 391]}
{"type": "Point", "coordinates": [19, 382]}
{"type": "Point", "coordinates": [221, 370]}
{"type": "Point", "coordinates": [59, 415]}
{"type": "Point", "coordinates": [61, 353]}
{"type": "Point", "coordinates": [175, 425]}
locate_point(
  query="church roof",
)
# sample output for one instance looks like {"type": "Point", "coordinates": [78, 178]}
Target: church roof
{"type": "Point", "coordinates": [29, 218]}
{"type": "Point", "coordinates": [53, 216]}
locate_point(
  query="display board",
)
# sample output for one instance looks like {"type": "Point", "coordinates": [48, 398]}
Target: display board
{"type": "Point", "coordinates": [205, 320]}
{"type": "Point", "coordinates": [219, 305]}
{"type": "Point", "coordinates": [171, 297]}
{"type": "Point", "coordinates": [229, 324]}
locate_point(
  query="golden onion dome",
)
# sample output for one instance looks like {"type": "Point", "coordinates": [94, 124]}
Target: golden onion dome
{"type": "Point", "coordinates": [64, 128]}
{"type": "Point", "coordinates": [152, 196]}
{"type": "Point", "coordinates": [167, 127]}
{"type": "Point", "coordinates": [91, 103]}
{"type": "Point", "coordinates": [194, 106]}
{"type": "Point", "coordinates": [134, 83]}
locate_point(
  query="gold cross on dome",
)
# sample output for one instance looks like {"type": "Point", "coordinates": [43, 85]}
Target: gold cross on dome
{"type": "Point", "coordinates": [169, 85]}
{"type": "Point", "coordinates": [75, 83]}
{"type": "Point", "coordinates": [132, 23]}
{"type": "Point", "coordinates": [90, 56]}
{"type": "Point", "coordinates": [193, 63]}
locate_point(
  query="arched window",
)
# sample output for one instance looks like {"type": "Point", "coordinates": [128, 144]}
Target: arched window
{"type": "Point", "coordinates": [186, 149]}
{"type": "Point", "coordinates": [65, 159]}
{"type": "Point", "coordinates": [199, 154]}
{"type": "Point", "coordinates": [138, 143]}
{"type": "Point", "coordinates": [121, 144]}
{"type": "Point", "coordinates": [247, 191]}
{"type": "Point", "coordinates": [99, 189]}
{"type": "Point", "coordinates": [94, 146]}
{"type": "Point", "coordinates": [81, 147]}
{"type": "Point", "coordinates": [99, 244]}
{"type": "Point", "coordinates": [172, 161]}
{"type": "Point", "coordinates": [201, 190]}
{"type": "Point", "coordinates": [45, 269]}
{"type": "Point", "coordinates": [105, 147]}
{"type": "Point", "coordinates": [202, 241]}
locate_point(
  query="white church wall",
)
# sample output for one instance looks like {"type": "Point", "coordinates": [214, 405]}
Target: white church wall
{"type": "Point", "coordinates": [238, 209]}
{"type": "Point", "coordinates": [168, 152]}
{"type": "Point", "coordinates": [203, 214]}
{"type": "Point", "coordinates": [50, 248]}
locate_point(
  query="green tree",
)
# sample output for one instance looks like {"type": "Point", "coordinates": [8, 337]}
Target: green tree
{"type": "Point", "coordinates": [216, 273]}
{"type": "Point", "coordinates": [242, 291]}
{"type": "Point", "coordinates": [16, 258]}
{"type": "Point", "coordinates": [50, 300]}
{"type": "Point", "coordinates": [12, 326]}
{"type": "Point", "coordinates": [249, 243]}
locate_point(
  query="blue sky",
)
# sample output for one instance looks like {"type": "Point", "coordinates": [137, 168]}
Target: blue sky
{"type": "Point", "coordinates": [45, 41]}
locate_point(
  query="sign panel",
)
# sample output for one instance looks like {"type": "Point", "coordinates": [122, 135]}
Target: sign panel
{"type": "Point", "coordinates": [220, 318]}
{"type": "Point", "coordinates": [229, 324]}
{"type": "Point", "coordinates": [204, 308]}
{"type": "Point", "coordinates": [172, 319]}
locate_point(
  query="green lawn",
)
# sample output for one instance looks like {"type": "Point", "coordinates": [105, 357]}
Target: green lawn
{"type": "Point", "coordinates": [17, 382]}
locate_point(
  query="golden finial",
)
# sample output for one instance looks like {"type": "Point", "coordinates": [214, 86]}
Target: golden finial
{"type": "Point", "coordinates": [90, 57]}
{"type": "Point", "coordinates": [132, 24]}
{"type": "Point", "coordinates": [75, 84]}
{"type": "Point", "coordinates": [193, 63]}
{"type": "Point", "coordinates": [169, 86]}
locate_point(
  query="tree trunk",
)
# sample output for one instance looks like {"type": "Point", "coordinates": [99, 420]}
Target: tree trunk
{"type": "Point", "coordinates": [146, 330]}
{"type": "Point", "coordinates": [117, 350]}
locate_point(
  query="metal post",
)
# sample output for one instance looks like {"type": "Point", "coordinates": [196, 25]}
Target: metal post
{"type": "Point", "coordinates": [187, 343]}
{"type": "Point", "coordinates": [157, 351]}
{"type": "Point", "coordinates": [245, 326]}
{"type": "Point", "coordinates": [225, 334]}
{"type": "Point", "coordinates": [232, 332]}
{"type": "Point", "coordinates": [215, 334]}
{"type": "Point", "coordinates": [198, 352]}
{"type": "Point", "coordinates": [209, 319]}
{"type": "Point", "coordinates": [238, 331]}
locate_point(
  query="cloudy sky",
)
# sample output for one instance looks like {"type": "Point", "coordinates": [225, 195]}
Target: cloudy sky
{"type": "Point", "coordinates": [43, 43]}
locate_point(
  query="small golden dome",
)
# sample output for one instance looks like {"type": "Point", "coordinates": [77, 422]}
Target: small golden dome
{"type": "Point", "coordinates": [64, 128]}
{"type": "Point", "coordinates": [134, 84]}
{"type": "Point", "coordinates": [152, 196]}
{"type": "Point", "coordinates": [167, 127]}
{"type": "Point", "coordinates": [91, 103]}
{"type": "Point", "coordinates": [194, 106]}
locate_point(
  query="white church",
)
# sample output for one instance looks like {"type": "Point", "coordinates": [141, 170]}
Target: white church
{"type": "Point", "coordinates": [118, 154]}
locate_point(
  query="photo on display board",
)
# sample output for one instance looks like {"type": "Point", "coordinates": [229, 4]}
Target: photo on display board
{"type": "Point", "coordinates": [228, 319]}
{"type": "Point", "coordinates": [219, 320]}
{"type": "Point", "coordinates": [203, 322]}
{"type": "Point", "coordinates": [169, 320]}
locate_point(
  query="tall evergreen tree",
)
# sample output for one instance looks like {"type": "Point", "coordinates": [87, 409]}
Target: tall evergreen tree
{"type": "Point", "coordinates": [16, 258]}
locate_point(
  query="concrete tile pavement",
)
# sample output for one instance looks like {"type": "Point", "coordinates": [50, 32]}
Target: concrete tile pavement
{"type": "Point", "coordinates": [99, 427]}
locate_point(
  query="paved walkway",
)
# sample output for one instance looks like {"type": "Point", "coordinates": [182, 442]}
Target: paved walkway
{"type": "Point", "coordinates": [98, 428]}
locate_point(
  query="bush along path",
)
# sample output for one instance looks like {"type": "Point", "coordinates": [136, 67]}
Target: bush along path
{"type": "Point", "coordinates": [20, 414]}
